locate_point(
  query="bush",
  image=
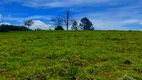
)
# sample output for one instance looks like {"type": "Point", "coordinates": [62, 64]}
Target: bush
{"type": "Point", "coordinates": [59, 28]}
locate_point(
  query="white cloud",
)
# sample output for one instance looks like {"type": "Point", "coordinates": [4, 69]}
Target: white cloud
{"type": "Point", "coordinates": [21, 20]}
{"type": "Point", "coordinates": [5, 23]}
{"type": "Point", "coordinates": [114, 18]}
{"type": "Point", "coordinates": [39, 17]}
{"type": "Point", "coordinates": [140, 23]}
{"type": "Point", "coordinates": [68, 3]}
{"type": "Point", "coordinates": [115, 24]}
{"type": "Point", "coordinates": [41, 25]}
{"type": "Point", "coordinates": [131, 21]}
{"type": "Point", "coordinates": [0, 17]}
{"type": "Point", "coordinates": [108, 25]}
{"type": "Point", "coordinates": [61, 3]}
{"type": "Point", "coordinates": [36, 19]}
{"type": "Point", "coordinates": [14, 19]}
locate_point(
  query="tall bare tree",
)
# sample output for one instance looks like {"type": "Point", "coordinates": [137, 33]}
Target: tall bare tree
{"type": "Point", "coordinates": [67, 18]}
{"type": "Point", "coordinates": [63, 20]}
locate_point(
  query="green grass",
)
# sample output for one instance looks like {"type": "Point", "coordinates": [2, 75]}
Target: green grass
{"type": "Point", "coordinates": [68, 55]}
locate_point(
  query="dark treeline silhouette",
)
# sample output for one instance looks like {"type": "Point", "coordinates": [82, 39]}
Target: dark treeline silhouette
{"type": "Point", "coordinates": [6, 28]}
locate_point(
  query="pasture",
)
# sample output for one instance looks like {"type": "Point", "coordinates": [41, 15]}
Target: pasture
{"type": "Point", "coordinates": [70, 55]}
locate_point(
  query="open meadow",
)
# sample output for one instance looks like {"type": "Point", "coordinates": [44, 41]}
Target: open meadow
{"type": "Point", "coordinates": [70, 55]}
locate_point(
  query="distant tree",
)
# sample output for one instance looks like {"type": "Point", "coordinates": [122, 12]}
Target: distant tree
{"type": "Point", "coordinates": [57, 21]}
{"type": "Point", "coordinates": [63, 20]}
{"type": "Point", "coordinates": [86, 24]}
{"type": "Point", "coordinates": [59, 28]}
{"type": "Point", "coordinates": [74, 25]}
{"type": "Point", "coordinates": [28, 23]}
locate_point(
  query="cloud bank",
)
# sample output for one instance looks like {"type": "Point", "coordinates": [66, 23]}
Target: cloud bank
{"type": "Point", "coordinates": [41, 25]}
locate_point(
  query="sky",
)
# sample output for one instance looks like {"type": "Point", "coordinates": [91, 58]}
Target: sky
{"type": "Point", "coordinates": [104, 14]}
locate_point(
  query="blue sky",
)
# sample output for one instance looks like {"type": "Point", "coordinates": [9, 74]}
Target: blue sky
{"type": "Point", "coordinates": [104, 14]}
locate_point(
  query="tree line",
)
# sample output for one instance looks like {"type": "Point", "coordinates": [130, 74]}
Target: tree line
{"type": "Point", "coordinates": [85, 24]}
{"type": "Point", "coordinates": [58, 22]}
{"type": "Point", "coordinates": [5, 28]}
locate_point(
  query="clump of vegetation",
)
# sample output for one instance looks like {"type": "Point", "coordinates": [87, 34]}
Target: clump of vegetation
{"type": "Point", "coordinates": [59, 28]}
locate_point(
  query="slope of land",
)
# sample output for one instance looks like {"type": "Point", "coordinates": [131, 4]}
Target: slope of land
{"type": "Point", "coordinates": [68, 55]}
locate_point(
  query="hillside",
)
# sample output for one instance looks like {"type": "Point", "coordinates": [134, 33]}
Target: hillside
{"type": "Point", "coordinates": [70, 55]}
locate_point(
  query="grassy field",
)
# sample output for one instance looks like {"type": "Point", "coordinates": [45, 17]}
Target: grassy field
{"type": "Point", "coordinates": [70, 55]}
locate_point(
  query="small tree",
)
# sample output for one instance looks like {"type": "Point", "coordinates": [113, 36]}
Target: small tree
{"type": "Point", "coordinates": [74, 25]}
{"type": "Point", "coordinates": [57, 21]}
{"type": "Point", "coordinates": [28, 23]}
{"type": "Point", "coordinates": [86, 24]}
{"type": "Point", "coordinates": [59, 28]}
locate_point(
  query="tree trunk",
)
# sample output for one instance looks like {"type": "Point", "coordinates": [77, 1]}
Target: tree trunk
{"type": "Point", "coordinates": [67, 24]}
